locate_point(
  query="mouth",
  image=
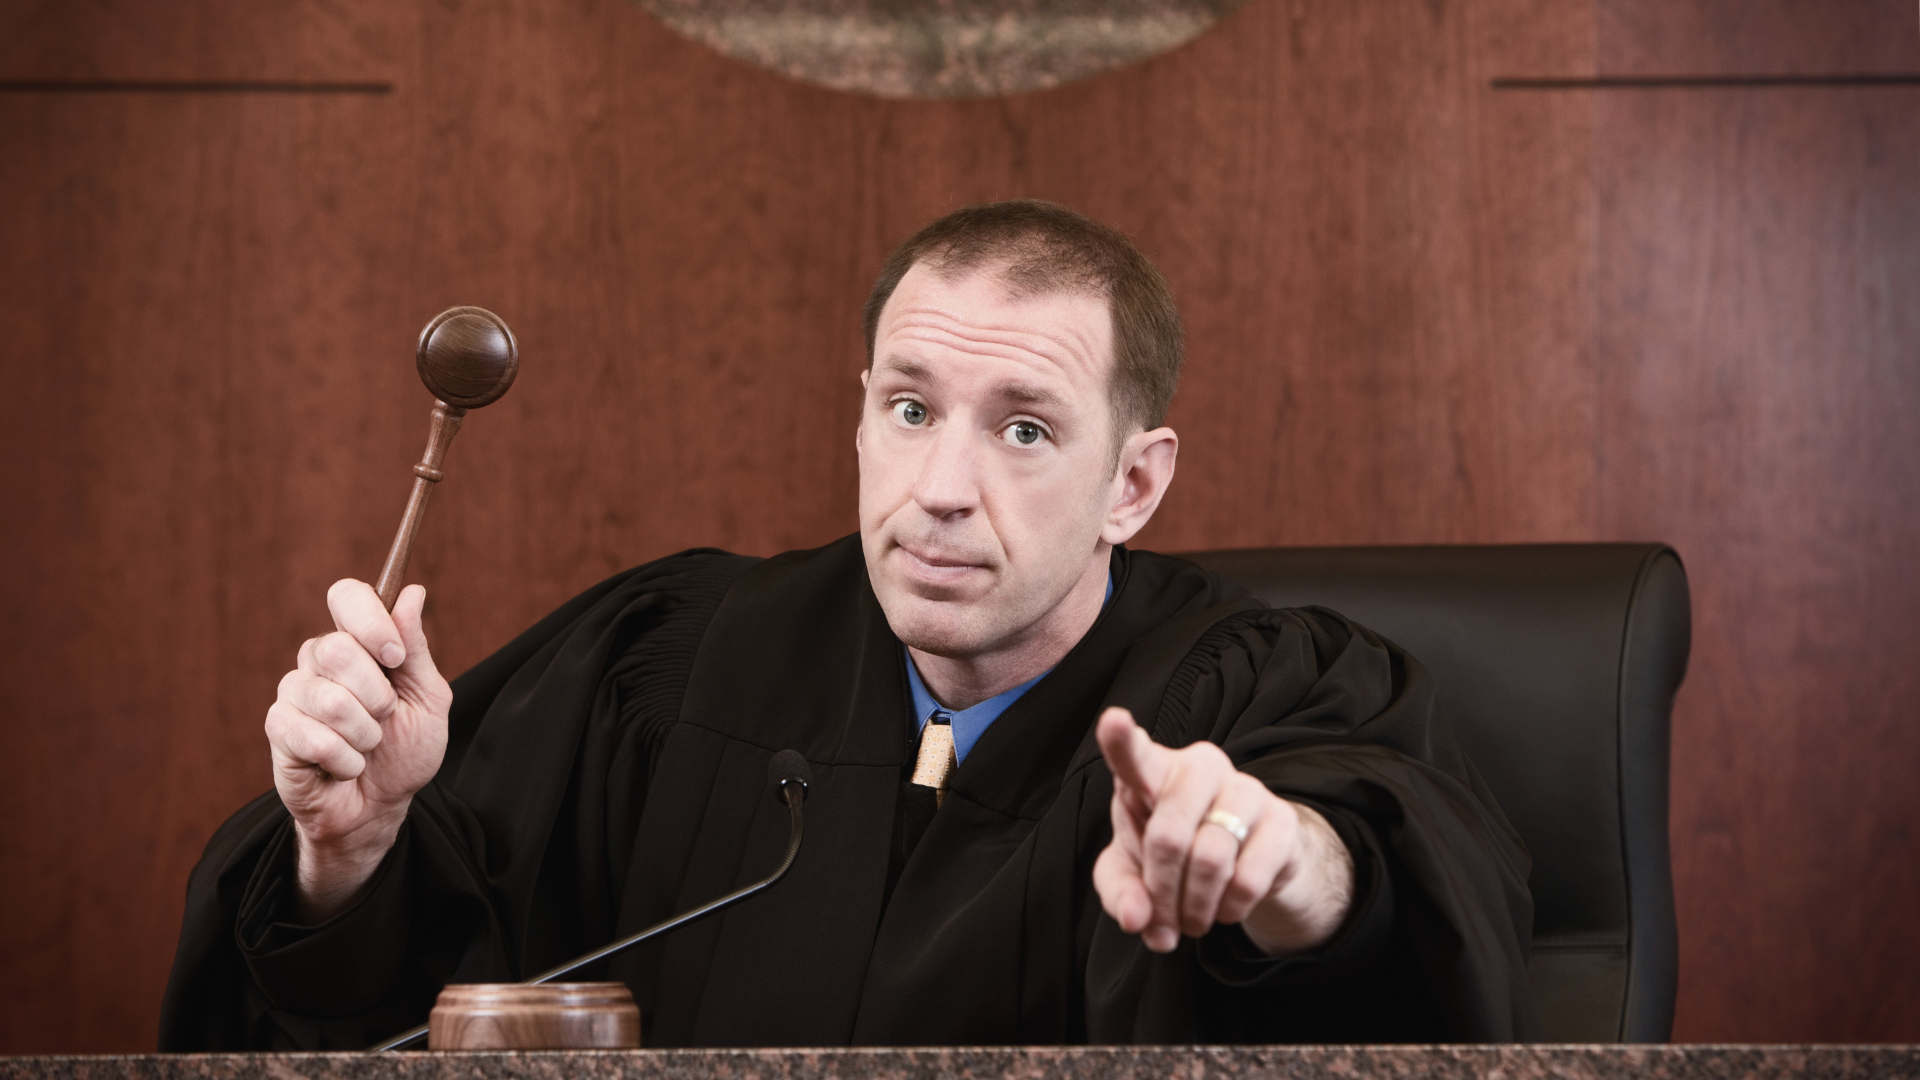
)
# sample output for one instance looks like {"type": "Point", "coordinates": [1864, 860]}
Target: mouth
{"type": "Point", "coordinates": [936, 567]}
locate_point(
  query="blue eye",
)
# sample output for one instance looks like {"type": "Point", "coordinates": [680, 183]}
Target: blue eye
{"type": "Point", "coordinates": [910, 412]}
{"type": "Point", "coordinates": [1026, 433]}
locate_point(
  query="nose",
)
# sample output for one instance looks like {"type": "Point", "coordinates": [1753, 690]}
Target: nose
{"type": "Point", "coordinates": [948, 486]}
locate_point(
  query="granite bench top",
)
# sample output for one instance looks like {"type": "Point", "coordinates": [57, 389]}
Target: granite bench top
{"type": "Point", "coordinates": [1525, 1062]}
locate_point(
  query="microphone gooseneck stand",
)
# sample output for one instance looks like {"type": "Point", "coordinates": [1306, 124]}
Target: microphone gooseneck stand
{"type": "Point", "coordinates": [790, 771]}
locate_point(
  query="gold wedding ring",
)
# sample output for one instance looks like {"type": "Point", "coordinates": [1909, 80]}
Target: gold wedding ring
{"type": "Point", "coordinates": [1234, 826]}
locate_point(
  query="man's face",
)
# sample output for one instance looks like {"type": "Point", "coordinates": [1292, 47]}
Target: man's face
{"type": "Point", "coordinates": [986, 460]}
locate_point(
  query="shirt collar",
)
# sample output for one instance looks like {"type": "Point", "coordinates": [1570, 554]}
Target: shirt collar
{"type": "Point", "coordinates": [968, 724]}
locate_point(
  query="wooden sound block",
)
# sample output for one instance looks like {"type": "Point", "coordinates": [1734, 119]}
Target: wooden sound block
{"type": "Point", "coordinates": [550, 1016]}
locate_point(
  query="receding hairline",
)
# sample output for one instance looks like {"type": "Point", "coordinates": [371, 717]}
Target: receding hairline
{"type": "Point", "coordinates": [997, 270]}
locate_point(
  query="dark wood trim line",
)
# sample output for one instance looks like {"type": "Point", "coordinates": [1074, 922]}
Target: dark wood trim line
{"type": "Point", "coordinates": [186, 86]}
{"type": "Point", "coordinates": [1703, 82]}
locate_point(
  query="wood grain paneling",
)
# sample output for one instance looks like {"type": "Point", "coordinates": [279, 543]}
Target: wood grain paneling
{"type": "Point", "coordinates": [1756, 37]}
{"type": "Point", "coordinates": [1760, 367]}
{"type": "Point", "coordinates": [1419, 310]}
{"type": "Point", "coordinates": [1760, 260]}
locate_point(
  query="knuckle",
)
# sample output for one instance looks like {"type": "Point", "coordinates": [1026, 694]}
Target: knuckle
{"type": "Point", "coordinates": [385, 698]}
{"type": "Point", "coordinates": [1210, 866]}
{"type": "Point", "coordinates": [333, 702]}
{"type": "Point", "coordinates": [300, 742]}
{"type": "Point", "coordinates": [1208, 757]}
{"type": "Point", "coordinates": [1247, 787]}
{"type": "Point", "coordinates": [1200, 769]}
{"type": "Point", "coordinates": [285, 722]}
{"type": "Point", "coordinates": [1164, 846]}
{"type": "Point", "coordinates": [337, 651]}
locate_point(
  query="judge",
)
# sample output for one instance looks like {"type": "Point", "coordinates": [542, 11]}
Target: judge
{"type": "Point", "coordinates": [1062, 791]}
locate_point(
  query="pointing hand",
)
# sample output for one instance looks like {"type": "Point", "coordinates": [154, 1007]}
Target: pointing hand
{"type": "Point", "coordinates": [1196, 842]}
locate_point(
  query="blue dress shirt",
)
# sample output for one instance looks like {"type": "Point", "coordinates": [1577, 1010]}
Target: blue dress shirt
{"type": "Point", "coordinates": [970, 724]}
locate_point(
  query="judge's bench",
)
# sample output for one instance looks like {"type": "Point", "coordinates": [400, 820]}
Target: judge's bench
{"type": "Point", "coordinates": [1562, 1062]}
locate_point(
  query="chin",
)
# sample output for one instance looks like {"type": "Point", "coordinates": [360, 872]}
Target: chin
{"type": "Point", "coordinates": [941, 627]}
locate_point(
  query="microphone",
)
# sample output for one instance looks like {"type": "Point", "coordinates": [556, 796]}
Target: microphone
{"type": "Point", "coordinates": [792, 774]}
{"type": "Point", "coordinates": [788, 767]}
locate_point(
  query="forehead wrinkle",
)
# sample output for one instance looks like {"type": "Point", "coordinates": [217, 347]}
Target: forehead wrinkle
{"type": "Point", "coordinates": [936, 326]}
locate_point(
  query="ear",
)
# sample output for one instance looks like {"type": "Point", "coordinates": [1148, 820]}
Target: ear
{"type": "Point", "coordinates": [1140, 480]}
{"type": "Point", "coordinates": [862, 425]}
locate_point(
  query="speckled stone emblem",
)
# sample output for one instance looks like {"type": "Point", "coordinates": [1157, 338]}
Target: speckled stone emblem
{"type": "Point", "coordinates": [940, 48]}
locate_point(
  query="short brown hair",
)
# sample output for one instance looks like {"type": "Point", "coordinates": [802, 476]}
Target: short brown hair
{"type": "Point", "coordinates": [1047, 248]}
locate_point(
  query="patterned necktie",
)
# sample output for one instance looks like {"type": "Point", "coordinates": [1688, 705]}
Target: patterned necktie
{"type": "Point", "coordinates": [936, 761]}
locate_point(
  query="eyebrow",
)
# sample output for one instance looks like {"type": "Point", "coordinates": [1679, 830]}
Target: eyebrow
{"type": "Point", "coordinates": [1029, 395]}
{"type": "Point", "coordinates": [895, 366]}
{"type": "Point", "coordinates": [1018, 392]}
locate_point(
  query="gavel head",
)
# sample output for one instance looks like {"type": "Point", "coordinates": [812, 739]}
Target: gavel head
{"type": "Point", "coordinates": [467, 357]}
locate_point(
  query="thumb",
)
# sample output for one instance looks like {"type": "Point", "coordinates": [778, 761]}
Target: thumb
{"type": "Point", "coordinates": [408, 613]}
{"type": "Point", "coordinates": [1139, 764]}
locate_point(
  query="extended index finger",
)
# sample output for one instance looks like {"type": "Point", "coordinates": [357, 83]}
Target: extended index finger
{"type": "Point", "coordinates": [1139, 764]}
{"type": "Point", "coordinates": [357, 610]}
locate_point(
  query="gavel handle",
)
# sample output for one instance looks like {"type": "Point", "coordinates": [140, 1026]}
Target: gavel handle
{"type": "Point", "coordinates": [446, 424]}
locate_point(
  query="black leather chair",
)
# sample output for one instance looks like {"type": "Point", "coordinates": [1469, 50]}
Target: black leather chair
{"type": "Point", "coordinates": [1557, 665]}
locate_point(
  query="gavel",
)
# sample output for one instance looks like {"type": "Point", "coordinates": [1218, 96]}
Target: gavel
{"type": "Point", "coordinates": [467, 358]}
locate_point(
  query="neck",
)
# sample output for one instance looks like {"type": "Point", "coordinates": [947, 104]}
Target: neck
{"type": "Point", "coordinates": [961, 682]}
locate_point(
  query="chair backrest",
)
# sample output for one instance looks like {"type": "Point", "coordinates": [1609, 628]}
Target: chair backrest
{"type": "Point", "coordinates": [1557, 665]}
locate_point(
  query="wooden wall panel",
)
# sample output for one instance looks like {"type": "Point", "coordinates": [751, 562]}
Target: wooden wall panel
{"type": "Point", "coordinates": [1759, 275]}
{"type": "Point", "coordinates": [1388, 264]}
{"type": "Point", "coordinates": [1756, 37]}
{"type": "Point", "coordinates": [153, 304]}
{"type": "Point", "coordinates": [1412, 313]}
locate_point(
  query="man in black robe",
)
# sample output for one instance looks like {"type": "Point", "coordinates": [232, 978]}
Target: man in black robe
{"type": "Point", "coordinates": [1062, 791]}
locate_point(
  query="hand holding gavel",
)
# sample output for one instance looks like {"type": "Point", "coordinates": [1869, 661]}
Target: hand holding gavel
{"type": "Point", "coordinates": [361, 721]}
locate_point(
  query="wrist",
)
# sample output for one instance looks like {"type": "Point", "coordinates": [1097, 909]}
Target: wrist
{"type": "Point", "coordinates": [332, 872]}
{"type": "Point", "coordinates": [1309, 902]}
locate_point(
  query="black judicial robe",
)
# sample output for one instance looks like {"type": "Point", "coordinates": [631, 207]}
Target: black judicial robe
{"type": "Point", "coordinates": [607, 769]}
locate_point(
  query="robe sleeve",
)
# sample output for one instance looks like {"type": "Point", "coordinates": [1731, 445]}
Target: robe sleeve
{"type": "Point", "coordinates": [1331, 715]}
{"type": "Point", "coordinates": [508, 861]}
